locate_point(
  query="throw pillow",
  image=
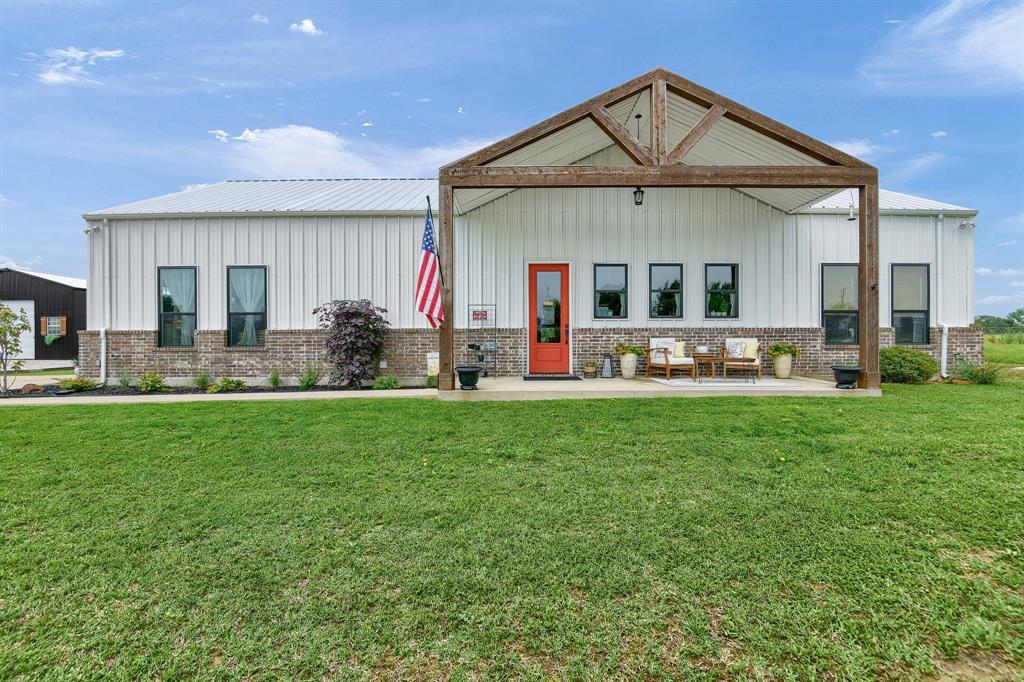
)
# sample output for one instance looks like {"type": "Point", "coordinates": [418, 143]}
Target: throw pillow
{"type": "Point", "coordinates": [750, 350]}
{"type": "Point", "coordinates": [680, 350]}
{"type": "Point", "coordinates": [734, 349]}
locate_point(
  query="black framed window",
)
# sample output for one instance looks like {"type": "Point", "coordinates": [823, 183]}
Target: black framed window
{"type": "Point", "coordinates": [611, 290]}
{"type": "Point", "coordinates": [840, 303]}
{"type": "Point", "coordinates": [910, 296]}
{"type": "Point", "coordinates": [247, 305]}
{"type": "Point", "coordinates": [666, 294]}
{"type": "Point", "coordinates": [721, 290]}
{"type": "Point", "coordinates": [176, 288]}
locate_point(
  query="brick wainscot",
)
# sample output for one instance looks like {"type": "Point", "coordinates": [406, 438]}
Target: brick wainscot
{"type": "Point", "coordinates": [290, 352]}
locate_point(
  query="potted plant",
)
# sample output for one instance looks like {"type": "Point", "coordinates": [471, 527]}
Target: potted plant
{"type": "Point", "coordinates": [782, 355]}
{"type": "Point", "coordinates": [469, 376]}
{"type": "Point", "coordinates": [590, 368]}
{"type": "Point", "coordinates": [628, 356]}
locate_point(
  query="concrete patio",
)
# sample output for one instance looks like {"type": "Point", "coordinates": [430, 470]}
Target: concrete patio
{"type": "Point", "coordinates": [516, 388]}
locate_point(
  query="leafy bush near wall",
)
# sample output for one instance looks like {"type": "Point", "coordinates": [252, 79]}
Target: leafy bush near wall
{"type": "Point", "coordinates": [202, 381]}
{"type": "Point", "coordinates": [152, 381]}
{"type": "Point", "coordinates": [388, 382]}
{"type": "Point", "coordinates": [985, 373]}
{"type": "Point", "coordinates": [274, 380]}
{"type": "Point", "coordinates": [310, 379]}
{"type": "Point", "coordinates": [78, 384]}
{"type": "Point", "coordinates": [902, 365]}
{"type": "Point", "coordinates": [124, 381]}
{"type": "Point", "coordinates": [355, 339]}
{"type": "Point", "coordinates": [227, 385]}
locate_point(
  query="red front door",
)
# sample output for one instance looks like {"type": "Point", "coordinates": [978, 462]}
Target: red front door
{"type": "Point", "coordinates": [549, 318]}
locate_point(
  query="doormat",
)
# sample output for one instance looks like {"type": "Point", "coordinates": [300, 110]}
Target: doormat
{"type": "Point", "coordinates": [551, 377]}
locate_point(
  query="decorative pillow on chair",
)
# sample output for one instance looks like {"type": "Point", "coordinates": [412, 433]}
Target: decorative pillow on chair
{"type": "Point", "coordinates": [680, 350]}
{"type": "Point", "coordinates": [734, 349]}
{"type": "Point", "coordinates": [750, 350]}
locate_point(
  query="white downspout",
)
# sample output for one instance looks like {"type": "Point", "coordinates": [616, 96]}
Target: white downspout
{"type": "Point", "coordinates": [937, 288]}
{"type": "Point", "coordinates": [107, 304]}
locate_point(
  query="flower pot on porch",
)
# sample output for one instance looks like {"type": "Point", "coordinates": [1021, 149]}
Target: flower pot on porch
{"type": "Point", "coordinates": [783, 366]}
{"type": "Point", "coordinates": [628, 364]}
{"type": "Point", "coordinates": [469, 375]}
{"type": "Point", "coordinates": [846, 375]}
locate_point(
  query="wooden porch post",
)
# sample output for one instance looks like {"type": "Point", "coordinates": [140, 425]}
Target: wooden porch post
{"type": "Point", "coordinates": [446, 343]}
{"type": "Point", "coordinates": [868, 286]}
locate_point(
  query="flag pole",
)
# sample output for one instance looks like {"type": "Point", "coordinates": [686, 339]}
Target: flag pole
{"type": "Point", "coordinates": [437, 242]}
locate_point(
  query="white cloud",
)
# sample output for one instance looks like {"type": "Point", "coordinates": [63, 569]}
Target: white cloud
{"type": "Point", "coordinates": [939, 133]}
{"type": "Point", "coordinates": [914, 167]}
{"type": "Point", "coordinates": [859, 147]}
{"type": "Point", "coordinates": [423, 100]}
{"type": "Point", "coordinates": [891, 133]}
{"type": "Point", "coordinates": [221, 135]}
{"type": "Point", "coordinates": [1002, 272]}
{"type": "Point", "coordinates": [64, 66]}
{"type": "Point", "coordinates": [959, 45]}
{"type": "Point", "coordinates": [1002, 298]}
{"type": "Point", "coordinates": [461, 111]}
{"type": "Point", "coordinates": [367, 124]}
{"type": "Point", "coordinates": [260, 19]}
{"type": "Point", "coordinates": [295, 151]}
{"type": "Point", "coordinates": [395, 93]}
{"type": "Point", "coordinates": [196, 185]}
{"type": "Point", "coordinates": [3, 199]}
{"type": "Point", "coordinates": [306, 26]}
{"type": "Point", "coordinates": [1009, 242]}
{"type": "Point", "coordinates": [1017, 284]}
{"type": "Point", "coordinates": [8, 262]}
{"type": "Point", "coordinates": [893, 21]}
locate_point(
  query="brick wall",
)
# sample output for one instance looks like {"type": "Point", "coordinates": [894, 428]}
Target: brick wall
{"type": "Point", "coordinates": [290, 352]}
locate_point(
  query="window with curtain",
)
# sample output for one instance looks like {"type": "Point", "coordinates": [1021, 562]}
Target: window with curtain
{"type": "Point", "coordinates": [666, 299]}
{"type": "Point", "coordinates": [839, 302]}
{"type": "Point", "coordinates": [721, 290]}
{"type": "Point", "coordinates": [247, 305]}
{"type": "Point", "coordinates": [610, 291]}
{"type": "Point", "coordinates": [177, 305]}
{"type": "Point", "coordinates": [910, 303]}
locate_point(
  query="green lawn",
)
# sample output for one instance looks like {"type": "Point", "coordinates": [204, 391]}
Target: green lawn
{"type": "Point", "coordinates": [759, 538]}
{"type": "Point", "coordinates": [1004, 353]}
{"type": "Point", "coordinates": [64, 371]}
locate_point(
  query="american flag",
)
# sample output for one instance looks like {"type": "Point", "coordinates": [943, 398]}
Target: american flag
{"type": "Point", "coordinates": [428, 282]}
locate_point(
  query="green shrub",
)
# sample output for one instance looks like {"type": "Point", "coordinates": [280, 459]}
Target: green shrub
{"type": "Point", "coordinates": [274, 380]}
{"type": "Point", "coordinates": [227, 385]}
{"type": "Point", "coordinates": [626, 349]}
{"type": "Point", "coordinates": [902, 365]}
{"type": "Point", "coordinates": [310, 378]}
{"type": "Point", "coordinates": [388, 382]}
{"type": "Point", "coordinates": [777, 349]}
{"type": "Point", "coordinates": [985, 373]}
{"type": "Point", "coordinates": [152, 381]}
{"type": "Point", "coordinates": [202, 381]}
{"type": "Point", "coordinates": [431, 381]}
{"type": "Point", "coordinates": [78, 384]}
{"type": "Point", "coordinates": [124, 381]}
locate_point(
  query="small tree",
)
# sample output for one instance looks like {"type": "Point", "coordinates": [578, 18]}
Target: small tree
{"type": "Point", "coordinates": [12, 326]}
{"type": "Point", "coordinates": [355, 339]}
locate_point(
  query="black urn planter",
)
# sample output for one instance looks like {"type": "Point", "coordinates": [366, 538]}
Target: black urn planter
{"type": "Point", "coordinates": [846, 375]}
{"type": "Point", "coordinates": [469, 375]}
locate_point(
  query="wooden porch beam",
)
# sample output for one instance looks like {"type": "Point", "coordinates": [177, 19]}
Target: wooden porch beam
{"type": "Point", "coordinates": [446, 336]}
{"type": "Point", "coordinates": [553, 124]}
{"type": "Point", "coordinates": [696, 133]}
{"type": "Point", "coordinates": [621, 136]}
{"type": "Point", "coordinates": [658, 176]}
{"type": "Point", "coordinates": [759, 122]}
{"type": "Point", "coordinates": [659, 121]}
{"type": "Point", "coordinates": [867, 287]}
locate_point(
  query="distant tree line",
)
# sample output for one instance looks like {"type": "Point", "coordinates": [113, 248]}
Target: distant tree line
{"type": "Point", "coordinates": [1012, 322]}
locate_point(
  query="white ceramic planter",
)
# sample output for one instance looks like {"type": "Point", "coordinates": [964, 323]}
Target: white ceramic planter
{"type": "Point", "coordinates": [628, 364]}
{"type": "Point", "coordinates": [783, 365]}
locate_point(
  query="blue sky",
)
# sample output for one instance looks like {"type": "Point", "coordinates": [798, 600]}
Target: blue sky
{"type": "Point", "coordinates": [103, 102]}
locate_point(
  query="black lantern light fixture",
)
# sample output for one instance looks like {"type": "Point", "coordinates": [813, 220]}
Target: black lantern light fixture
{"type": "Point", "coordinates": [638, 193]}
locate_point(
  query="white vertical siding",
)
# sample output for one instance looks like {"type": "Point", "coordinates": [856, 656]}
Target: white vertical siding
{"type": "Point", "coordinates": [311, 260]}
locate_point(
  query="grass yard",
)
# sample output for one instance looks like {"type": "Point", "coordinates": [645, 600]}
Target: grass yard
{"type": "Point", "coordinates": [723, 538]}
{"type": "Point", "coordinates": [63, 371]}
{"type": "Point", "coordinates": [1005, 349]}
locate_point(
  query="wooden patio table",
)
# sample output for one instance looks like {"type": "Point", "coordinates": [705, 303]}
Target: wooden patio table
{"type": "Point", "coordinates": [710, 361]}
